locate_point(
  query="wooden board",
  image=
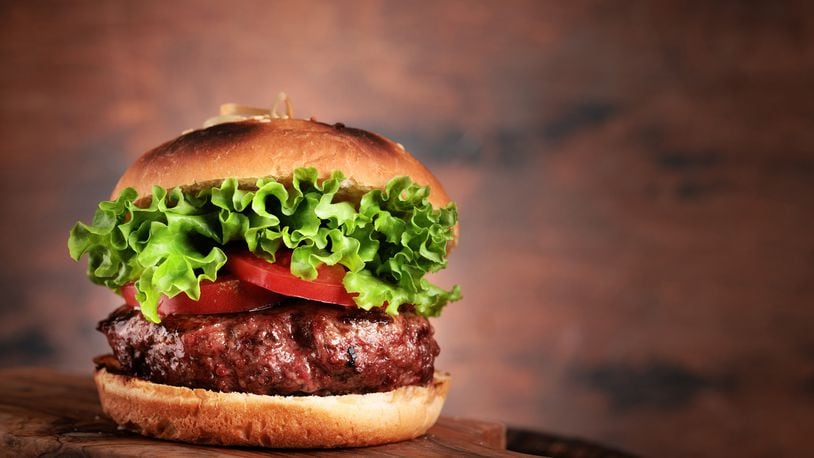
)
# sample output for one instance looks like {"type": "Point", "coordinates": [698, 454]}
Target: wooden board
{"type": "Point", "coordinates": [43, 412]}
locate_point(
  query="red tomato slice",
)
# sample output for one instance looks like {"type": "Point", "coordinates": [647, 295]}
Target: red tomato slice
{"type": "Point", "coordinates": [277, 277]}
{"type": "Point", "coordinates": [227, 294]}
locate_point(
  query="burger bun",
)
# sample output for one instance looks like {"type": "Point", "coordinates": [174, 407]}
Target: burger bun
{"type": "Point", "coordinates": [242, 419]}
{"type": "Point", "coordinates": [251, 149]}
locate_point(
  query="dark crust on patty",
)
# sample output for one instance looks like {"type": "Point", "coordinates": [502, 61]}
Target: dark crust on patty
{"type": "Point", "coordinates": [298, 348]}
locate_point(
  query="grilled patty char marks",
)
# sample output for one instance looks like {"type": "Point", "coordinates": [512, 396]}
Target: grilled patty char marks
{"type": "Point", "coordinates": [299, 348]}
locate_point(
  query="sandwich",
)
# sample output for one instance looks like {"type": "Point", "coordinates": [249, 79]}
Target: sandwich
{"type": "Point", "coordinates": [274, 278]}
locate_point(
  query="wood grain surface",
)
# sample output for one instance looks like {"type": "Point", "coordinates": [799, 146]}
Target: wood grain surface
{"type": "Point", "coordinates": [635, 182]}
{"type": "Point", "coordinates": [47, 413]}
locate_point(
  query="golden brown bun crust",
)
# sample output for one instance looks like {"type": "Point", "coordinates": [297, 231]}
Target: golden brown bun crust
{"type": "Point", "coordinates": [208, 417]}
{"type": "Point", "coordinates": [251, 149]}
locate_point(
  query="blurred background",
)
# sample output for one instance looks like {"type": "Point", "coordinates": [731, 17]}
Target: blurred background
{"type": "Point", "coordinates": [635, 182]}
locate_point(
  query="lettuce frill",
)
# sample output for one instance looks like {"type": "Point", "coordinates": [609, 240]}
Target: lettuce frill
{"type": "Point", "coordinates": [388, 243]}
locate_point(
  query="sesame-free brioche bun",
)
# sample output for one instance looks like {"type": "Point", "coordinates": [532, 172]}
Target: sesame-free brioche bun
{"type": "Point", "coordinates": [241, 419]}
{"type": "Point", "coordinates": [251, 149]}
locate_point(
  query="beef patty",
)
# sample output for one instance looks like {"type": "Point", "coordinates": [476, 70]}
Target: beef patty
{"type": "Point", "coordinates": [297, 348]}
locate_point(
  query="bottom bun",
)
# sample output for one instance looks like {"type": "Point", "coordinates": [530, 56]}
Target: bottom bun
{"type": "Point", "coordinates": [209, 417]}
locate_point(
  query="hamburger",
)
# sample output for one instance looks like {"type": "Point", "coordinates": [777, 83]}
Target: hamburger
{"type": "Point", "coordinates": [273, 273]}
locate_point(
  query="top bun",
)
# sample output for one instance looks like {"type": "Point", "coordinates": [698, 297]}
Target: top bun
{"type": "Point", "coordinates": [252, 149]}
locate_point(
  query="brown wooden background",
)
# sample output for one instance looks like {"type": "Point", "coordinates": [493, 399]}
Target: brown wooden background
{"type": "Point", "coordinates": [635, 181]}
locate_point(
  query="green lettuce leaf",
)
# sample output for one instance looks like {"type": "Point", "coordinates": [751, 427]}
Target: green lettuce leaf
{"type": "Point", "coordinates": [388, 242]}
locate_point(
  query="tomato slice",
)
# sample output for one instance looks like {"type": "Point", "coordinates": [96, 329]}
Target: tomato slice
{"type": "Point", "coordinates": [277, 277]}
{"type": "Point", "coordinates": [227, 294]}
